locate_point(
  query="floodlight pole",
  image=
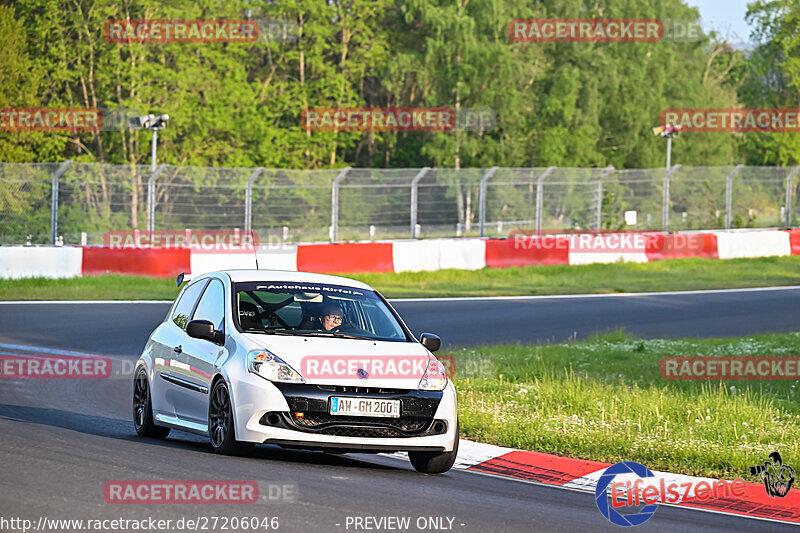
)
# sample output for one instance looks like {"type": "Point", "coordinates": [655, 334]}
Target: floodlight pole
{"type": "Point", "coordinates": [415, 200]}
{"type": "Point", "coordinates": [540, 199]}
{"type": "Point", "coordinates": [153, 152]}
{"type": "Point", "coordinates": [669, 152]}
{"type": "Point", "coordinates": [482, 201]}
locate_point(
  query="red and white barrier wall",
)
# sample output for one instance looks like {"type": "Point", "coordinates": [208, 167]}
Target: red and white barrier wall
{"type": "Point", "coordinates": [397, 256]}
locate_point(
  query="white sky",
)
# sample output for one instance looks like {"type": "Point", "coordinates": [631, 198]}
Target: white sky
{"type": "Point", "coordinates": [724, 16]}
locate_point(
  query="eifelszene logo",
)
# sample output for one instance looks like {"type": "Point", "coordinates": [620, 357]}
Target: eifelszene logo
{"type": "Point", "coordinates": [778, 477]}
{"type": "Point", "coordinates": [601, 494]}
{"type": "Point", "coordinates": [630, 485]}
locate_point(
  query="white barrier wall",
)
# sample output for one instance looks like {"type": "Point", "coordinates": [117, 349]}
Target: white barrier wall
{"type": "Point", "coordinates": [437, 254]}
{"type": "Point", "coordinates": [466, 254]}
{"type": "Point", "coordinates": [613, 248]}
{"type": "Point", "coordinates": [283, 257]}
{"type": "Point", "coordinates": [208, 262]}
{"type": "Point", "coordinates": [414, 256]}
{"type": "Point", "coordinates": [731, 245]}
{"type": "Point", "coordinates": [45, 262]}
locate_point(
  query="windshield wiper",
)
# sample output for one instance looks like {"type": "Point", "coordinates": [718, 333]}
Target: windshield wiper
{"type": "Point", "coordinates": [270, 332]}
{"type": "Point", "coordinates": [337, 334]}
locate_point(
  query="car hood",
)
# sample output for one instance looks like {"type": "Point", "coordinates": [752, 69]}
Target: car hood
{"type": "Point", "coordinates": [337, 361]}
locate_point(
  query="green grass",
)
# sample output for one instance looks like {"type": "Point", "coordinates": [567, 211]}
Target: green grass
{"type": "Point", "coordinates": [107, 287]}
{"type": "Point", "coordinates": [604, 400]}
{"type": "Point", "coordinates": [675, 274]}
{"type": "Point", "coordinates": [669, 275]}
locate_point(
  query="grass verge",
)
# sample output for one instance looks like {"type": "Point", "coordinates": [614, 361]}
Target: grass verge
{"type": "Point", "coordinates": [604, 399]}
{"type": "Point", "coordinates": [669, 275]}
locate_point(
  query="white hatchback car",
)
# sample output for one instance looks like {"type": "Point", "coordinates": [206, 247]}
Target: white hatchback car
{"type": "Point", "coordinates": [298, 360]}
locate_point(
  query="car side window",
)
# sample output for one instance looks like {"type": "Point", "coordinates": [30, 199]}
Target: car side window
{"type": "Point", "coordinates": [186, 304]}
{"type": "Point", "coordinates": [212, 305]}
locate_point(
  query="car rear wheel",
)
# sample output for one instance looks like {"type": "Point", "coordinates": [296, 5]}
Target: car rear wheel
{"type": "Point", "coordinates": [143, 410]}
{"type": "Point", "coordinates": [433, 462]}
{"type": "Point", "coordinates": [220, 421]}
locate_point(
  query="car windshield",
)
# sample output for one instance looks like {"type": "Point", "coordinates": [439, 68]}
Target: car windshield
{"type": "Point", "coordinates": [315, 309]}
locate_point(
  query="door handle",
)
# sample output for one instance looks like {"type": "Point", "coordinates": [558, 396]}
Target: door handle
{"type": "Point", "coordinates": [178, 349]}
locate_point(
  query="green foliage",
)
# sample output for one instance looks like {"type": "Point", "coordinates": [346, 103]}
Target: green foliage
{"type": "Point", "coordinates": [771, 78]}
{"type": "Point", "coordinates": [567, 104]}
{"type": "Point", "coordinates": [239, 105]}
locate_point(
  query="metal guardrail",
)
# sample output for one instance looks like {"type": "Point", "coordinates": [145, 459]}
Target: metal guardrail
{"type": "Point", "coordinates": [76, 203]}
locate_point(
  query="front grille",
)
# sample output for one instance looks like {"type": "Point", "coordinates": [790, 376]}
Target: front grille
{"type": "Point", "coordinates": [361, 390]}
{"type": "Point", "coordinates": [320, 420]}
{"type": "Point", "coordinates": [417, 409]}
{"type": "Point", "coordinates": [352, 426]}
{"type": "Point", "coordinates": [361, 432]}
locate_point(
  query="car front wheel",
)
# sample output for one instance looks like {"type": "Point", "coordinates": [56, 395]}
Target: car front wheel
{"type": "Point", "coordinates": [433, 462]}
{"type": "Point", "coordinates": [220, 421]}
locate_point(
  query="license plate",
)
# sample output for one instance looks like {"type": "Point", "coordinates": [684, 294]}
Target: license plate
{"type": "Point", "coordinates": [365, 407]}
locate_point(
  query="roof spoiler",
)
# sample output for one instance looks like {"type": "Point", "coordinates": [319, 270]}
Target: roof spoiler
{"type": "Point", "coordinates": [183, 276]}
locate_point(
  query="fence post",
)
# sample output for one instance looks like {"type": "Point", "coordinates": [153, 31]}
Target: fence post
{"type": "Point", "coordinates": [729, 195]}
{"type": "Point", "coordinates": [335, 203]}
{"type": "Point", "coordinates": [482, 201]}
{"type": "Point", "coordinates": [788, 206]}
{"type": "Point", "coordinates": [539, 199]}
{"type": "Point", "coordinates": [415, 199]}
{"type": "Point", "coordinates": [54, 197]}
{"type": "Point", "coordinates": [599, 207]}
{"type": "Point", "coordinates": [151, 199]}
{"type": "Point", "coordinates": [665, 201]}
{"type": "Point", "coordinates": [248, 199]}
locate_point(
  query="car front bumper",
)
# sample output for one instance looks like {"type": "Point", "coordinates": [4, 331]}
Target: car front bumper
{"type": "Point", "coordinates": [265, 413]}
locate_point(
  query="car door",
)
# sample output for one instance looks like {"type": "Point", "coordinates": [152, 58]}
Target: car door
{"type": "Point", "coordinates": [198, 358]}
{"type": "Point", "coordinates": [165, 342]}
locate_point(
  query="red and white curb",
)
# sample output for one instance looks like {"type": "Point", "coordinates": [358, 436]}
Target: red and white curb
{"type": "Point", "coordinates": [582, 475]}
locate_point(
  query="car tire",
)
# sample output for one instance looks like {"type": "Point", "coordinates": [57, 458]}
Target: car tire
{"type": "Point", "coordinates": [221, 427]}
{"type": "Point", "coordinates": [143, 409]}
{"type": "Point", "coordinates": [434, 462]}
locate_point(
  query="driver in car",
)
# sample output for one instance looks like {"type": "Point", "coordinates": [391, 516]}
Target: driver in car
{"type": "Point", "coordinates": [331, 317]}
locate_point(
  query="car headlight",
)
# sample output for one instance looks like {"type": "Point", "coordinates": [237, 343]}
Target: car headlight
{"type": "Point", "coordinates": [269, 366]}
{"type": "Point", "coordinates": [435, 377]}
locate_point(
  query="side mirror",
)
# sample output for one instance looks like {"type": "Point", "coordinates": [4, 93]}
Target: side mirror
{"type": "Point", "coordinates": [203, 329]}
{"type": "Point", "coordinates": [430, 341]}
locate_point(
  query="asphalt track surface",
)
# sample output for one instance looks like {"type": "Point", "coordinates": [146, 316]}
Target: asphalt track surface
{"type": "Point", "coordinates": [62, 440]}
